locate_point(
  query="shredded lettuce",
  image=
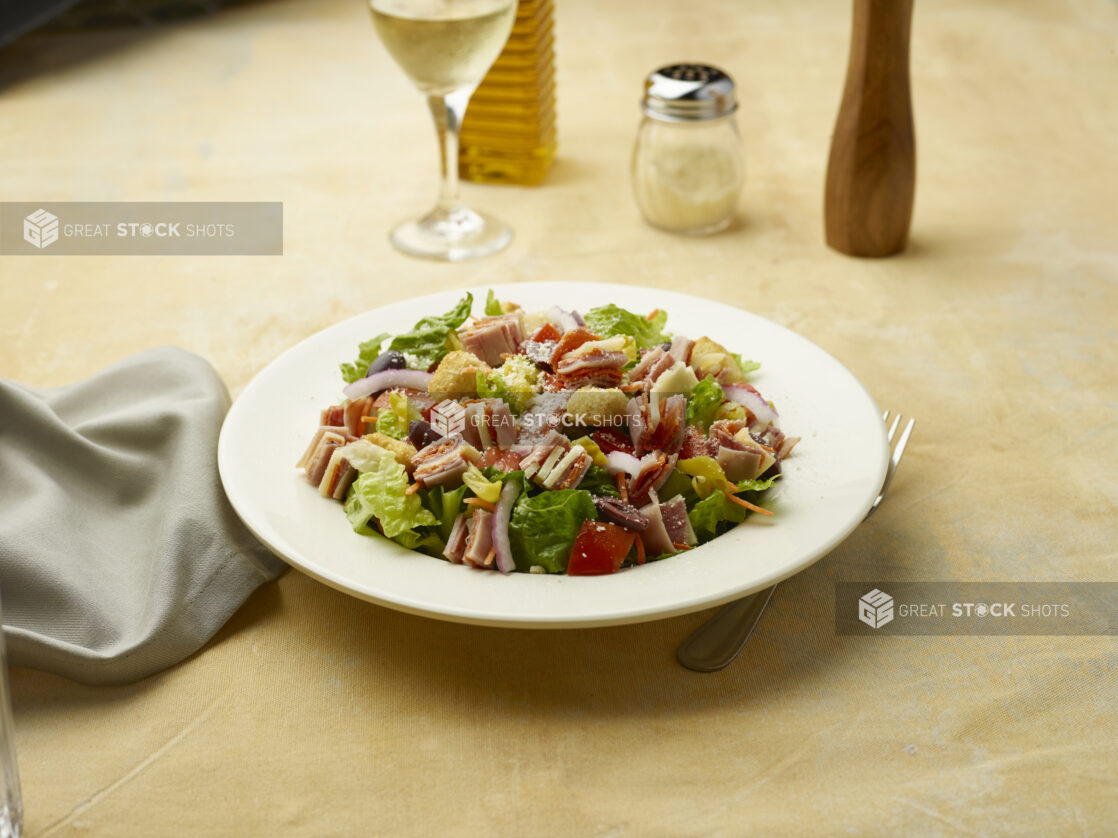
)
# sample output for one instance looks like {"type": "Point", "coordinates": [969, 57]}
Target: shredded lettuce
{"type": "Point", "coordinates": [367, 352]}
{"type": "Point", "coordinates": [378, 492]}
{"type": "Point", "coordinates": [609, 320]}
{"type": "Point", "coordinates": [543, 527]}
{"type": "Point", "coordinates": [703, 403]}
{"type": "Point", "coordinates": [492, 304]}
{"type": "Point", "coordinates": [485, 489]}
{"type": "Point", "coordinates": [394, 420]}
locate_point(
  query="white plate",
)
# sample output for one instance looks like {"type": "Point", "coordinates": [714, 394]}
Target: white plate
{"type": "Point", "coordinates": [829, 482]}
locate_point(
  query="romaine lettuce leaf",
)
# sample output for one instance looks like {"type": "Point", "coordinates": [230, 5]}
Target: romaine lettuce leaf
{"type": "Point", "coordinates": [394, 421]}
{"type": "Point", "coordinates": [492, 304]}
{"type": "Point", "coordinates": [746, 366]}
{"type": "Point", "coordinates": [609, 320]}
{"type": "Point", "coordinates": [430, 338]}
{"type": "Point", "coordinates": [426, 344]}
{"type": "Point", "coordinates": [712, 512]}
{"type": "Point", "coordinates": [379, 493]}
{"type": "Point", "coordinates": [543, 527]}
{"type": "Point", "coordinates": [598, 481]}
{"type": "Point", "coordinates": [367, 353]}
{"type": "Point", "coordinates": [703, 403]}
{"type": "Point", "coordinates": [757, 485]}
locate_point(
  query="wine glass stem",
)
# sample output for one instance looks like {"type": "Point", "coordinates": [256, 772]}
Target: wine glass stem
{"type": "Point", "coordinates": [448, 111]}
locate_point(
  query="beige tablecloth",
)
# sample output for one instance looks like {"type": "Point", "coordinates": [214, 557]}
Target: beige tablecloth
{"type": "Point", "coordinates": [315, 714]}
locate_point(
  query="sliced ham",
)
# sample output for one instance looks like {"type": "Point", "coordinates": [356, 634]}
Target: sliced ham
{"type": "Point", "coordinates": [681, 348]}
{"type": "Point", "coordinates": [491, 338]}
{"type": "Point", "coordinates": [353, 412]}
{"type": "Point", "coordinates": [655, 536]}
{"type": "Point", "coordinates": [456, 542]}
{"type": "Point", "coordinates": [740, 465]}
{"type": "Point", "coordinates": [444, 461]}
{"type": "Point", "coordinates": [316, 440]}
{"type": "Point", "coordinates": [338, 477]}
{"type": "Point", "coordinates": [320, 459]}
{"type": "Point", "coordinates": [333, 416]}
{"type": "Point", "coordinates": [676, 522]}
{"type": "Point", "coordinates": [479, 540]}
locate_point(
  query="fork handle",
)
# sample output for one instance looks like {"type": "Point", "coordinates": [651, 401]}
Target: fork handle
{"type": "Point", "coordinates": [717, 642]}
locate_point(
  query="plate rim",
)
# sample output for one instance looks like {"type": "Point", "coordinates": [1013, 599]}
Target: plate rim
{"type": "Point", "coordinates": [462, 614]}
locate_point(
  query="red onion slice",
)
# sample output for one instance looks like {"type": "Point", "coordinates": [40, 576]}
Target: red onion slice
{"type": "Point", "coordinates": [752, 402]}
{"type": "Point", "coordinates": [386, 380]}
{"type": "Point", "coordinates": [501, 515]}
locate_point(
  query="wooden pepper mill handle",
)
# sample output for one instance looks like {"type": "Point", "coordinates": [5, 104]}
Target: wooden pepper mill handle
{"type": "Point", "coordinates": [871, 175]}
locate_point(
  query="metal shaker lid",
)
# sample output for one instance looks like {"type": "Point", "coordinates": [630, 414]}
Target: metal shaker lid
{"type": "Point", "coordinates": [689, 92]}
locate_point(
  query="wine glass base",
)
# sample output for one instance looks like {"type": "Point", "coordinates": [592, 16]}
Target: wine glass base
{"type": "Point", "coordinates": [451, 235]}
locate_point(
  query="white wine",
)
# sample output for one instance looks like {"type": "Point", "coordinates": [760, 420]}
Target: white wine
{"type": "Point", "coordinates": [443, 45]}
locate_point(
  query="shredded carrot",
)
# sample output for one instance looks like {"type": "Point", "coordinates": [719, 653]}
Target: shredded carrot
{"type": "Point", "coordinates": [652, 314]}
{"type": "Point", "coordinates": [747, 504]}
{"type": "Point", "coordinates": [412, 489]}
{"type": "Point", "coordinates": [489, 557]}
{"type": "Point", "coordinates": [368, 419]}
{"type": "Point", "coordinates": [681, 546]}
{"type": "Point", "coordinates": [640, 550]}
{"type": "Point", "coordinates": [484, 504]}
{"type": "Point", "coordinates": [632, 387]}
{"type": "Point", "coordinates": [622, 488]}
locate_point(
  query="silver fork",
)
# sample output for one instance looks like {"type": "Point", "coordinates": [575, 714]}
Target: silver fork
{"type": "Point", "coordinates": [715, 644]}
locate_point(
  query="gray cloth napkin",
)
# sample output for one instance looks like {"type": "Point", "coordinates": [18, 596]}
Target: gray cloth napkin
{"type": "Point", "coordinates": [119, 554]}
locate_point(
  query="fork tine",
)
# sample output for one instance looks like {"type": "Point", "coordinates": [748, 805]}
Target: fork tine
{"type": "Point", "coordinates": [893, 427]}
{"type": "Point", "coordinates": [885, 417]}
{"type": "Point", "coordinates": [898, 449]}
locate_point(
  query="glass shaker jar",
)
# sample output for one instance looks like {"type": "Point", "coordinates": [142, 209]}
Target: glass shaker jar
{"type": "Point", "coordinates": [688, 163]}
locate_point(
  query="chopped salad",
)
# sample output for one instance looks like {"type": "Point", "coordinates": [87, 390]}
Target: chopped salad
{"type": "Point", "coordinates": [546, 441]}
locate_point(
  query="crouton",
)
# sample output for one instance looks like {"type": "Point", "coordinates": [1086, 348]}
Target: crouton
{"type": "Point", "coordinates": [597, 407]}
{"type": "Point", "coordinates": [456, 375]}
{"type": "Point", "coordinates": [710, 358]}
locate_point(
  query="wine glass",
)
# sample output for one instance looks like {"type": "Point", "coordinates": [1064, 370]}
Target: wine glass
{"type": "Point", "coordinates": [446, 47]}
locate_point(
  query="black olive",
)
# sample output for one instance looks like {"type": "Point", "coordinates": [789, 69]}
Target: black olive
{"type": "Point", "coordinates": [616, 511]}
{"type": "Point", "coordinates": [390, 360]}
{"type": "Point", "coordinates": [421, 434]}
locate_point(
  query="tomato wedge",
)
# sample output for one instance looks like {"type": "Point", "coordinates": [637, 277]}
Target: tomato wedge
{"type": "Point", "coordinates": [599, 548]}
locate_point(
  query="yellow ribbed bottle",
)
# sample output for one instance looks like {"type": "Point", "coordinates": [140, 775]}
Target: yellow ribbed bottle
{"type": "Point", "coordinates": [508, 134]}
